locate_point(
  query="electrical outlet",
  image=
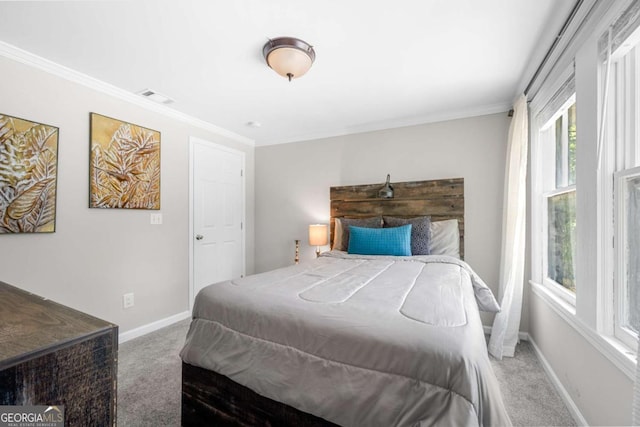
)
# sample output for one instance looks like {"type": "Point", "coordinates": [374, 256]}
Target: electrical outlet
{"type": "Point", "coordinates": [156, 219]}
{"type": "Point", "coordinates": [127, 300]}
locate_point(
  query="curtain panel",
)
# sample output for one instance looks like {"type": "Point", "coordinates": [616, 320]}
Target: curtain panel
{"type": "Point", "coordinates": [506, 325]}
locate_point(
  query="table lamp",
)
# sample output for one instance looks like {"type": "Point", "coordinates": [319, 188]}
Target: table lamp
{"type": "Point", "coordinates": [318, 236]}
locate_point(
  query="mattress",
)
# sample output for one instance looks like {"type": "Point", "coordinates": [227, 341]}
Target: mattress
{"type": "Point", "coordinates": [356, 340]}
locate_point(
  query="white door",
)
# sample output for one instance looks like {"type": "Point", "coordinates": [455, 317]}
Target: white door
{"type": "Point", "coordinates": [217, 177]}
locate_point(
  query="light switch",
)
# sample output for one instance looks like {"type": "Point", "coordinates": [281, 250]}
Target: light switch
{"type": "Point", "coordinates": [156, 218]}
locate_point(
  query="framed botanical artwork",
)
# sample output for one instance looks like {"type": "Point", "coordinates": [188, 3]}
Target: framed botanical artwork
{"type": "Point", "coordinates": [124, 165]}
{"type": "Point", "coordinates": [28, 176]}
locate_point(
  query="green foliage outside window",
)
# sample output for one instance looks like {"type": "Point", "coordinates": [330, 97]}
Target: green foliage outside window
{"type": "Point", "coordinates": [562, 207]}
{"type": "Point", "coordinates": [561, 239]}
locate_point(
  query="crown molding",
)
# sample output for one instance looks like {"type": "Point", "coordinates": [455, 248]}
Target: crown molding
{"type": "Point", "coordinates": [397, 123]}
{"type": "Point", "coordinates": [19, 55]}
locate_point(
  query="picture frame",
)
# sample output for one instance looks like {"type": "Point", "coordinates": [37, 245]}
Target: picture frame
{"type": "Point", "coordinates": [28, 175]}
{"type": "Point", "coordinates": [124, 165]}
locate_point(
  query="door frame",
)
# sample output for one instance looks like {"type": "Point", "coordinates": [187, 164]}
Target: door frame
{"type": "Point", "coordinates": [193, 141]}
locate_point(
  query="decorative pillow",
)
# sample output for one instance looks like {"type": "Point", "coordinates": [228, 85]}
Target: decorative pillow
{"type": "Point", "coordinates": [337, 235]}
{"type": "Point", "coordinates": [420, 232]}
{"type": "Point", "coordinates": [371, 222]}
{"type": "Point", "coordinates": [380, 241]}
{"type": "Point", "coordinates": [445, 238]}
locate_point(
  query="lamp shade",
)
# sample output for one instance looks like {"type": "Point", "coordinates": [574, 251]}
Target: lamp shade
{"type": "Point", "coordinates": [318, 234]}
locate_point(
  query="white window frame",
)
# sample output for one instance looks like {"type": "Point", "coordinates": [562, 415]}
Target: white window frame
{"type": "Point", "coordinates": [627, 336]}
{"type": "Point", "coordinates": [621, 160]}
{"type": "Point", "coordinates": [545, 177]}
{"type": "Point", "coordinates": [581, 57]}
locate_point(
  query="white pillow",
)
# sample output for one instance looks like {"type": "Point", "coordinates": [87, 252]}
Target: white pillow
{"type": "Point", "coordinates": [337, 234]}
{"type": "Point", "coordinates": [445, 238]}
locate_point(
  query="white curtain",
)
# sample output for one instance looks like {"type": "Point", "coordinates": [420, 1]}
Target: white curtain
{"type": "Point", "coordinates": [636, 389]}
{"type": "Point", "coordinates": [506, 325]}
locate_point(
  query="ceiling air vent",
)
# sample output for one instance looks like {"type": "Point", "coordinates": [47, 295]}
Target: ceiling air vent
{"type": "Point", "coordinates": [156, 96]}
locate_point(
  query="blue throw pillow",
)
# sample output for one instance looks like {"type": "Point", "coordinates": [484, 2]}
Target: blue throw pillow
{"type": "Point", "coordinates": [380, 241]}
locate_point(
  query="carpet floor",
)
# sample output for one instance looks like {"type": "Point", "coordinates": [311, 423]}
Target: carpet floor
{"type": "Point", "coordinates": [149, 376]}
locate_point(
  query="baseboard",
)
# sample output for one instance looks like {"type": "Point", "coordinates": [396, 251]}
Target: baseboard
{"type": "Point", "coordinates": [151, 327]}
{"type": "Point", "coordinates": [522, 336]}
{"type": "Point", "coordinates": [566, 398]}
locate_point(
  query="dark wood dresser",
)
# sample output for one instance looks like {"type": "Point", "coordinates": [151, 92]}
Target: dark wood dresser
{"type": "Point", "coordinates": [53, 355]}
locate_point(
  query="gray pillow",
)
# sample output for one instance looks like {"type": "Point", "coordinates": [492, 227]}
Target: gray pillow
{"type": "Point", "coordinates": [372, 222]}
{"type": "Point", "coordinates": [420, 232]}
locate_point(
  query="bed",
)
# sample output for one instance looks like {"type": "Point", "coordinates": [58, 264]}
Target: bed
{"type": "Point", "coordinates": [348, 339]}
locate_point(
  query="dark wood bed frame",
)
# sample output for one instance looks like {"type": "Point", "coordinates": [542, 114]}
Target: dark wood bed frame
{"type": "Point", "coordinates": [209, 398]}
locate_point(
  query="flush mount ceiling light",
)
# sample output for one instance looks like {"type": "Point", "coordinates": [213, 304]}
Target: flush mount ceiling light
{"type": "Point", "coordinates": [288, 56]}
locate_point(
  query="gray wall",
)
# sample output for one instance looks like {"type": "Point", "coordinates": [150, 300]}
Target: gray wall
{"type": "Point", "coordinates": [293, 180]}
{"type": "Point", "coordinates": [95, 256]}
{"type": "Point", "coordinates": [601, 392]}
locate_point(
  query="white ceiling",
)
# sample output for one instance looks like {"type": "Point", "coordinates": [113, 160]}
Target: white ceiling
{"type": "Point", "coordinates": [379, 64]}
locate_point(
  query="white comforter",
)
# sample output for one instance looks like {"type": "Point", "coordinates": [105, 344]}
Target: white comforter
{"type": "Point", "coordinates": [359, 341]}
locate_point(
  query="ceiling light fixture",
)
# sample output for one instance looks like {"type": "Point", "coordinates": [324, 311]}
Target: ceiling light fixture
{"type": "Point", "coordinates": [288, 56]}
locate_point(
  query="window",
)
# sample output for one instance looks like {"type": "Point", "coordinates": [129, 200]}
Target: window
{"type": "Point", "coordinates": [621, 165]}
{"type": "Point", "coordinates": [557, 175]}
{"type": "Point", "coordinates": [628, 250]}
{"type": "Point", "coordinates": [585, 201]}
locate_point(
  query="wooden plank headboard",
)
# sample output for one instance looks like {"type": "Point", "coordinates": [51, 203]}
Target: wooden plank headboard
{"type": "Point", "coordinates": [441, 199]}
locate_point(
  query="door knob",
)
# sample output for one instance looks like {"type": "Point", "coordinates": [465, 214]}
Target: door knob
{"type": "Point", "coordinates": [199, 237]}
